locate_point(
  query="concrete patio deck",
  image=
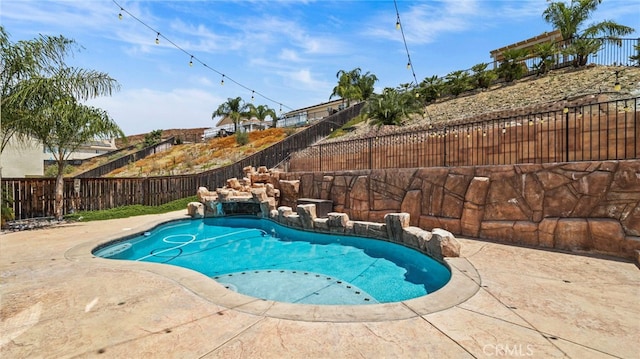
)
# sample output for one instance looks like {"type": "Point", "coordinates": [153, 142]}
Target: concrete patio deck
{"type": "Point", "coordinates": [58, 301]}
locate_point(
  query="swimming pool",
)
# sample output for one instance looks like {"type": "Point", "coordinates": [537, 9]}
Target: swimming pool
{"type": "Point", "coordinates": [262, 259]}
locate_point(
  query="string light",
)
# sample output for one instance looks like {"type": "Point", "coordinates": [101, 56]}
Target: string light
{"type": "Point", "coordinates": [616, 86]}
{"type": "Point", "coordinates": [194, 58]}
{"type": "Point", "coordinates": [404, 40]}
{"type": "Point", "coordinates": [191, 61]}
{"type": "Point", "coordinates": [120, 14]}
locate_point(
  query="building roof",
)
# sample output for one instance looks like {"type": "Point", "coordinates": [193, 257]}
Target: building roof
{"type": "Point", "coordinates": [320, 105]}
{"type": "Point", "coordinates": [553, 36]}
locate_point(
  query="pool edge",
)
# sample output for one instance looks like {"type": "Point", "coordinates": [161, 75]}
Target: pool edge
{"type": "Point", "coordinates": [463, 284]}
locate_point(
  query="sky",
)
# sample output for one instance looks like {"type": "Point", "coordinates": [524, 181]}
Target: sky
{"type": "Point", "coordinates": [284, 53]}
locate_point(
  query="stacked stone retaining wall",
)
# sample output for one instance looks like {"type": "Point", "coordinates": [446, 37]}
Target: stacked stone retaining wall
{"type": "Point", "coordinates": [578, 206]}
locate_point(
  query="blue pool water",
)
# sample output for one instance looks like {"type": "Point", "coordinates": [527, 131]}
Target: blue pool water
{"type": "Point", "coordinates": [263, 259]}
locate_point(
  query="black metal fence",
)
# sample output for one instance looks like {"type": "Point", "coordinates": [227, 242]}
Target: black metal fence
{"type": "Point", "coordinates": [609, 54]}
{"type": "Point", "coordinates": [598, 131]}
{"type": "Point", "coordinates": [126, 159]}
{"type": "Point", "coordinates": [30, 197]}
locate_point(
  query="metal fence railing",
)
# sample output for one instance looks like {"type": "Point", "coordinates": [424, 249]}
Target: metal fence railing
{"type": "Point", "coordinates": [34, 197]}
{"type": "Point", "coordinates": [597, 131]}
{"type": "Point", "coordinates": [608, 54]}
{"type": "Point", "coordinates": [126, 159]}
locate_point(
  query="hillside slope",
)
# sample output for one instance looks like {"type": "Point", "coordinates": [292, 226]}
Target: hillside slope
{"type": "Point", "coordinates": [532, 94]}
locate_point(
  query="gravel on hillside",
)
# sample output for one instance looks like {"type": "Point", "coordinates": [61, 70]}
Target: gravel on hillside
{"type": "Point", "coordinates": [534, 93]}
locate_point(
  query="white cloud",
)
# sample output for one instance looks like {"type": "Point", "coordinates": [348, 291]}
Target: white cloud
{"type": "Point", "coordinates": [289, 55]}
{"type": "Point", "coordinates": [143, 110]}
{"type": "Point", "coordinates": [304, 79]}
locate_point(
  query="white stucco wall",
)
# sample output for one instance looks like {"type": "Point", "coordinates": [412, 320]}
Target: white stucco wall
{"type": "Point", "coordinates": [22, 160]}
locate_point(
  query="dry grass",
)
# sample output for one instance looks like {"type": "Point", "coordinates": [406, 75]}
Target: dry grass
{"type": "Point", "coordinates": [198, 157]}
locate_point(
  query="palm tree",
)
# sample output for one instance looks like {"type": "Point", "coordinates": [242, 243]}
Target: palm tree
{"type": "Point", "coordinates": [43, 101]}
{"type": "Point", "coordinates": [345, 88]}
{"type": "Point", "coordinates": [547, 52]}
{"type": "Point", "coordinates": [569, 20]}
{"type": "Point", "coordinates": [366, 84]}
{"type": "Point", "coordinates": [354, 86]}
{"type": "Point", "coordinates": [431, 88]}
{"type": "Point", "coordinates": [63, 125]}
{"type": "Point", "coordinates": [261, 112]}
{"type": "Point", "coordinates": [21, 61]}
{"type": "Point", "coordinates": [234, 108]}
{"type": "Point", "coordinates": [391, 107]}
{"type": "Point", "coordinates": [481, 77]}
{"type": "Point", "coordinates": [512, 66]}
{"type": "Point", "coordinates": [457, 82]}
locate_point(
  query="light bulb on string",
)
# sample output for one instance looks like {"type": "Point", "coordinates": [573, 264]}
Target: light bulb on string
{"type": "Point", "coordinates": [398, 23]}
{"type": "Point", "coordinates": [252, 95]}
{"type": "Point", "coordinates": [408, 65]}
{"type": "Point", "coordinates": [616, 86]}
{"type": "Point", "coordinates": [280, 108]}
{"type": "Point", "coordinates": [169, 42]}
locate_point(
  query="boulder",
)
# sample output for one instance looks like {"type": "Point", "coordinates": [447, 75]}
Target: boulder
{"type": "Point", "coordinates": [337, 220]}
{"type": "Point", "coordinates": [233, 183]}
{"type": "Point", "coordinates": [195, 209]}
{"type": "Point", "coordinates": [283, 211]}
{"type": "Point", "coordinates": [443, 244]}
{"type": "Point", "coordinates": [307, 213]}
{"type": "Point", "coordinates": [289, 190]}
{"type": "Point", "coordinates": [396, 222]}
{"type": "Point", "coordinates": [415, 237]}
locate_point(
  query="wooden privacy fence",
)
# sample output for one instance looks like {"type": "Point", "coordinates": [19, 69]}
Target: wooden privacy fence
{"type": "Point", "coordinates": [601, 131]}
{"type": "Point", "coordinates": [34, 197]}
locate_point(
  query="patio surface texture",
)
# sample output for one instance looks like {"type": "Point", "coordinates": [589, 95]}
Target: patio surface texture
{"type": "Point", "coordinates": [58, 301]}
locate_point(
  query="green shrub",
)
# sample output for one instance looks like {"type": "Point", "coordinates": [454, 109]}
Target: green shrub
{"type": "Point", "coordinates": [130, 211]}
{"type": "Point", "coordinates": [242, 138]}
{"type": "Point", "coordinates": [52, 170]}
{"type": "Point", "coordinates": [152, 138]}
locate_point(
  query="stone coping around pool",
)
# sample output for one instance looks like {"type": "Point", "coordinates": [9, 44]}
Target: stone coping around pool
{"type": "Point", "coordinates": [437, 244]}
{"type": "Point", "coordinates": [464, 283]}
